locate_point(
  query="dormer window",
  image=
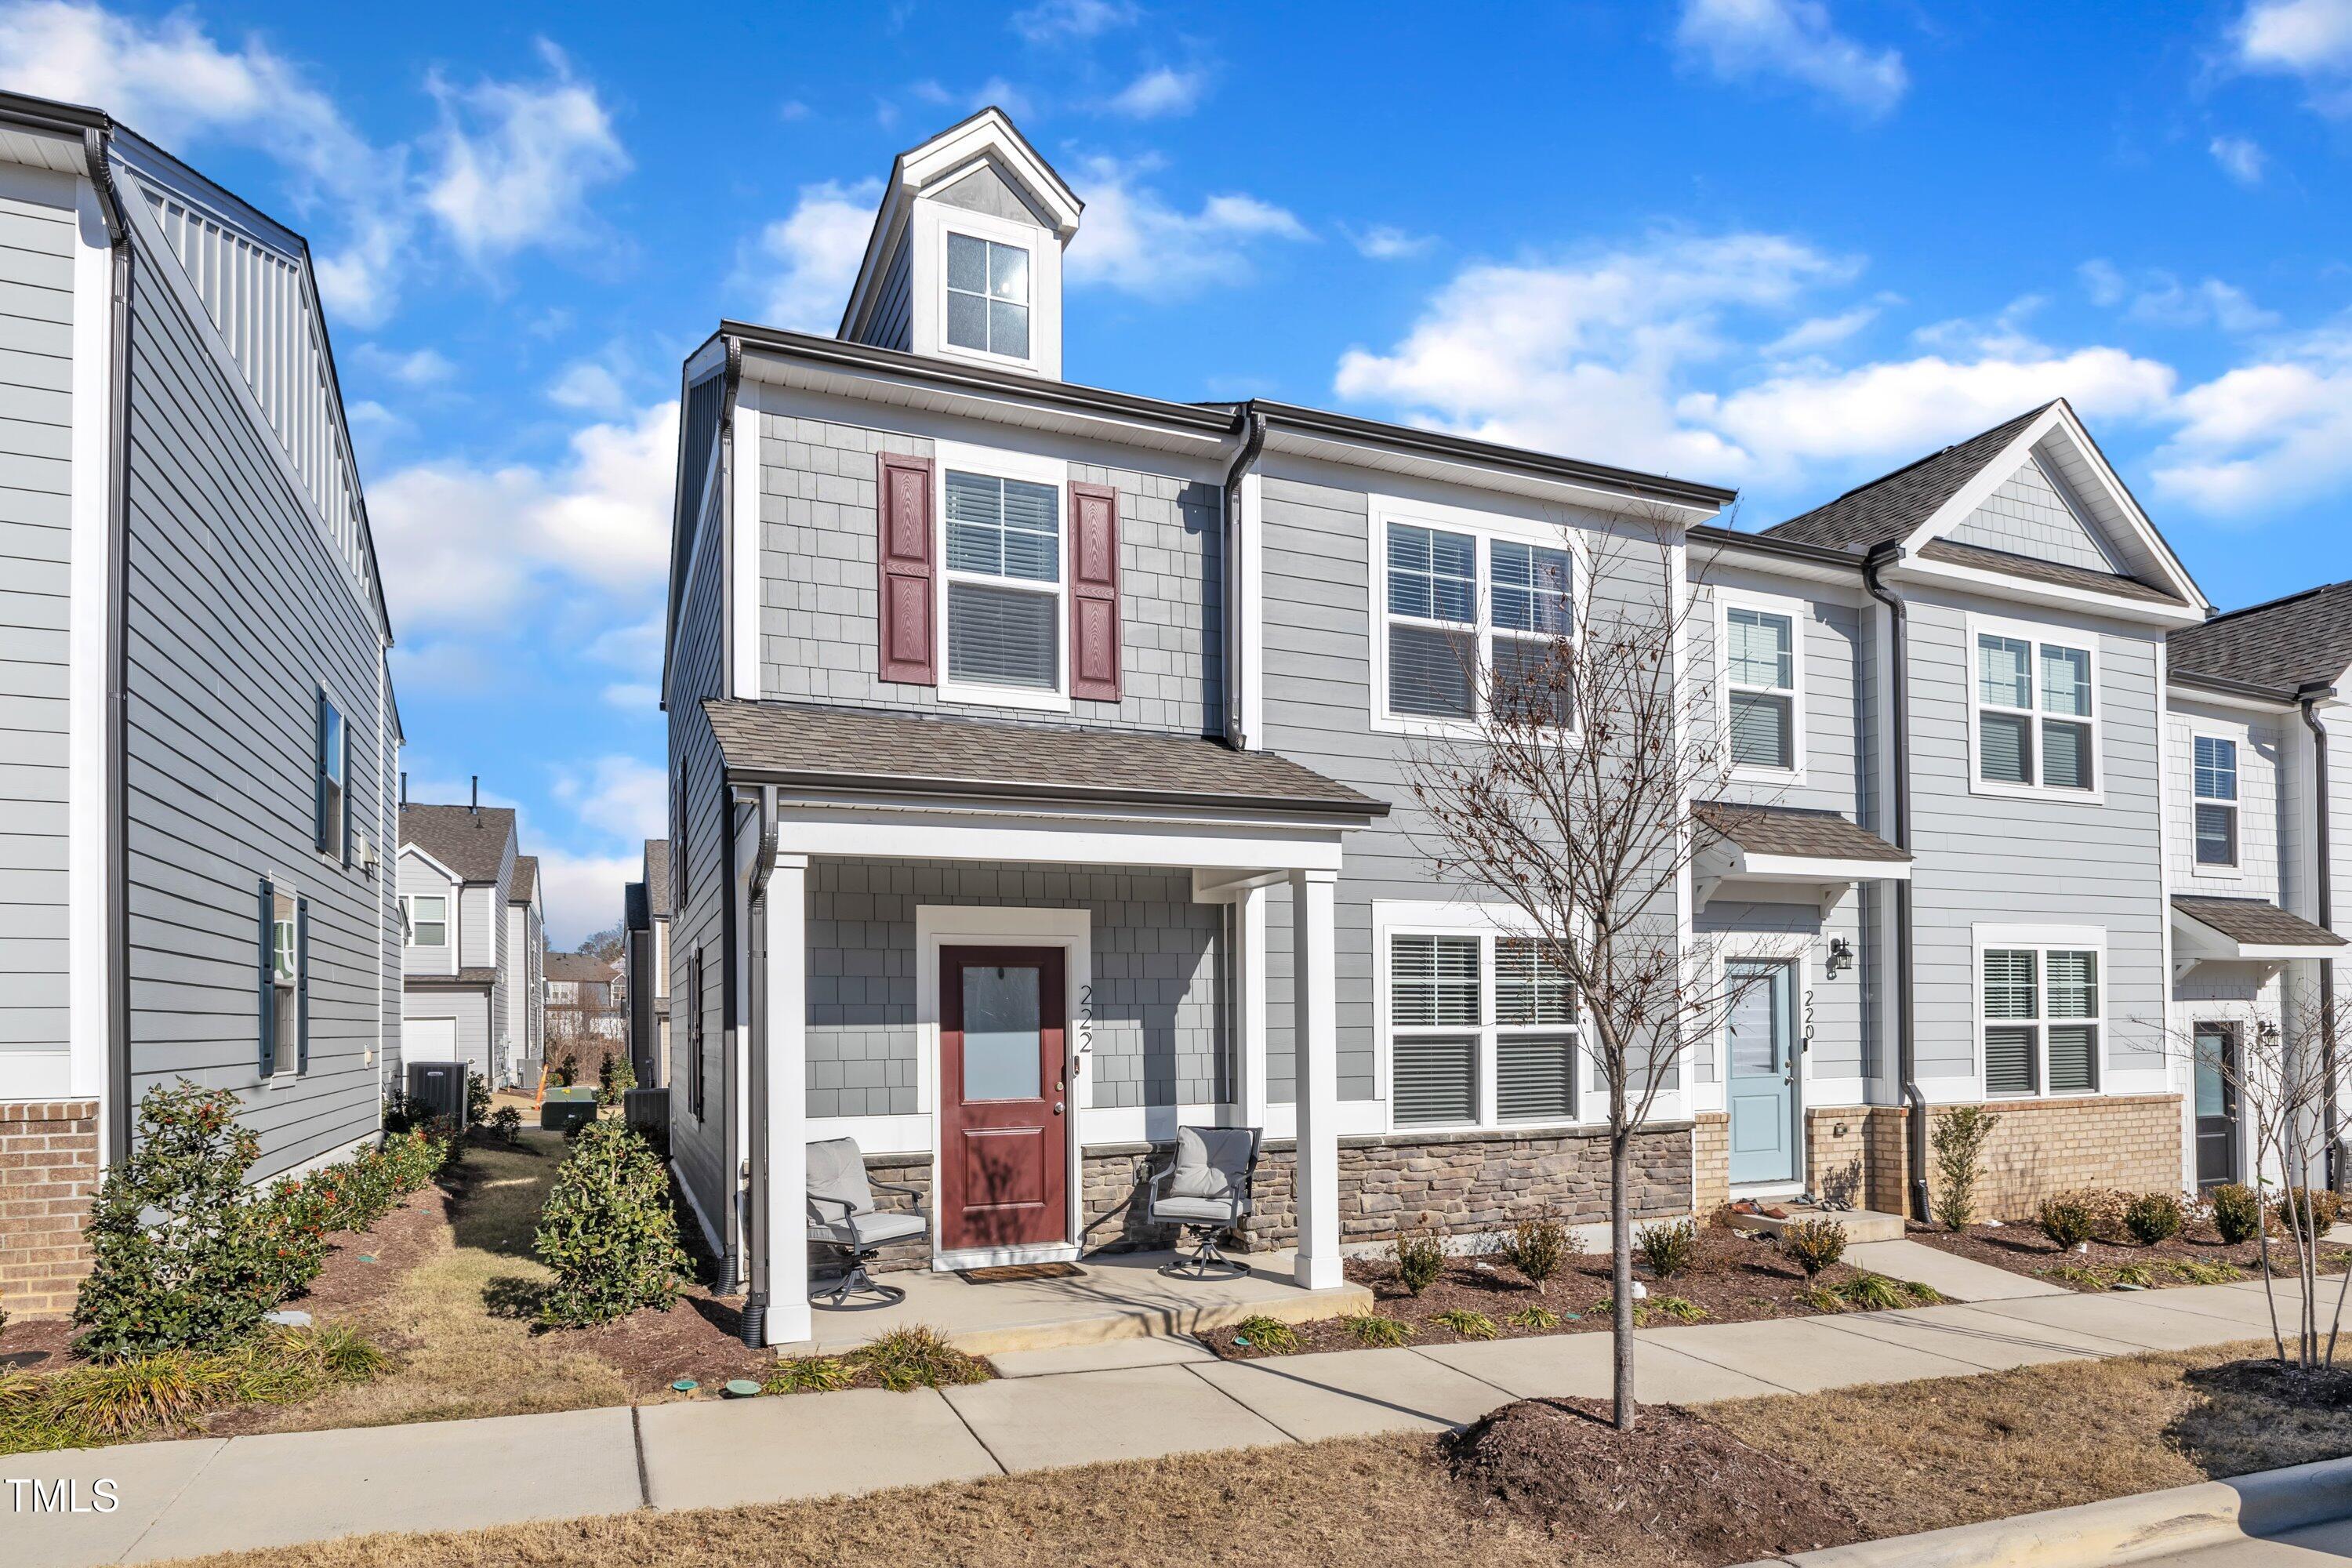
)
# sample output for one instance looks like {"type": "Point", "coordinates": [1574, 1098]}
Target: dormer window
{"type": "Point", "coordinates": [988, 295]}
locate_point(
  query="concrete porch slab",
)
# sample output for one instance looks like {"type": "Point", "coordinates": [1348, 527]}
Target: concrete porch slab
{"type": "Point", "coordinates": [1861, 1224]}
{"type": "Point", "coordinates": [1119, 1296]}
{"type": "Point", "coordinates": [1084, 1418]}
{"type": "Point", "coordinates": [148, 1478]}
{"type": "Point", "coordinates": [718, 1454]}
{"type": "Point", "coordinates": [1962, 1278]}
{"type": "Point", "coordinates": [1350, 1393]}
{"type": "Point", "coordinates": [1805, 1355]}
{"type": "Point", "coordinates": [2131, 1316]}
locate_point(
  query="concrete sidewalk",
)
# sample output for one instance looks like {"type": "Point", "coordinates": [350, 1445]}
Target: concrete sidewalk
{"type": "Point", "coordinates": [1081, 1404]}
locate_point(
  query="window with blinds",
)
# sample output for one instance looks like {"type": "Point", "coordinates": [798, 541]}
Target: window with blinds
{"type": "Point", "coordinates": [1529, 615]}
{"type": "Point", "coordinates": [2040, 1020]}
{"type": "Point", "coordinates": [1435, 981]}
{"type": "Point", "coordinates": [2036, 721]}
{"type": "Point", "coordinates": [1466, 1011]}
{"type": "Point", "coordinates": [1003, 577]}
{"type": "Point", "coordinates": [1472, 623]}
{"type": "Point", "coordinates": [2216, 801]}
{"type": "Point", "coordinates": [1433, 591]}
{"type": "Point", "coordinates": [1760, 680]}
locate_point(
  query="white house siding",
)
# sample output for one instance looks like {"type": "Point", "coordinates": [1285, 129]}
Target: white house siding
{"type": "Point", "coordinates": [419, 879]}
{"type": "Point", "coordinates": [477, 940]}
{"type": "Point", "coordinates": [2260, 740]}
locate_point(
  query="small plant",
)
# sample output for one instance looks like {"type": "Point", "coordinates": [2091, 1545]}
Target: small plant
{"type": "Point", "coordinates": [1536, 1320]}
{"type": "Point", "coordinates": [2154, 1218]}
{"type": "Point", "coordinates": [2310, 1210]}
{"type": "Point", "coordinates": [167, 1391]}
{"type": "Point", "coordinates": [1822, 1298]}
{"type": "Point", "coordinates": [2138, 1276]}
{"type": "Point", "coordinates": [609, 1232]}
{"type": "Point", "coordinates": [1960, 1137]}
{"type": "Point", "coordinates": [1668, 1246]}
{"type": "Point", "coordinates": [1677, 1308]}
{"type": "Point", "coordinates": [1607, 1308]}
{"type": "Point", "coordinates": [1271, 1335]}
{"type": "Point", "coordinates": [918, 1357]}
{"type": "Point", "coordinates": [2197, 1273]}
{"type": "Point", "coordinates": [810, 1374]}
{"type": "Point", "coordinates": [1539, 1248]}
{"type": "Point", "coordinates": [1470, 1325]}
{"type": "Point", "coordinates": [1873, 1293]}
{"type": "Point", "coordinates": [1813, 1245]}
{"type": "Point", "coordinates": [132, 1393]}
{"type": "Point", "coordinates": [615, 1078]}
{"type": "Point", "coordinates": [2081, 1276]}
{"type": "Point", "coordinates": [1376, 1331]}
{"type": "Point", "coordinates": [506, 1125]}
{"type": "Point", "coordinates": [567, 1070]}
{"type": "Point", "coordinates": [1420, 1258]}
{"type": "Point", "coordinates": [2067, 1220]}
{"type": "Point", "coordinates": [2236, 1214]}
{"type": "Point", "coordinates": [478, 1098]}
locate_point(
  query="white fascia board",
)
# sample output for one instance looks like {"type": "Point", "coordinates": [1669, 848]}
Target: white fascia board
{"type": "Point", "coordinates": [946, 157]}
{"type": "Point", "coordinates": [1816, 868]}
{"type": "Point", "coordinates": [1729, 569]}
{"type": "Point", "coordinates": [967, 833]}
{"type": "Point", "coordinates": [2182, 699]}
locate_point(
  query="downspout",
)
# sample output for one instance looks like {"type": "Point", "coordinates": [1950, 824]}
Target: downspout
{"type": "Point", "coordinates": [117, 718]}
{"type": "Point", "coordinates": [1899, 740]}
{"type": "Point", "coordinates": [2309, 700]}
{"type": "Point", "coordinates": [753, 1324]}
{"type": "Point", "coordinates": [1252, 443]}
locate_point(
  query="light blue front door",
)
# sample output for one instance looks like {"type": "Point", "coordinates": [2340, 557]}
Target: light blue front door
{"type": "Point", "coordinates": [1762, 1089]}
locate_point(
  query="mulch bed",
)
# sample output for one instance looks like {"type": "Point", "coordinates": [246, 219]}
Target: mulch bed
{"type": "Point", "coordinates": [1734, 1279]}
{"type": "Point", "coordinates": [1674, 1479]}
{"type": "Point", "coordinates": [700, 1338]}
{"type": "Point", "coordinates": [2022, 1248]}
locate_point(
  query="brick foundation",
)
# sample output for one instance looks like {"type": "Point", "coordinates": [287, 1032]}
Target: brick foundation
{"type": "Point", "coordinates": [1710, 1162]}
{"type": "Point", "coordinates": [48, 1172]}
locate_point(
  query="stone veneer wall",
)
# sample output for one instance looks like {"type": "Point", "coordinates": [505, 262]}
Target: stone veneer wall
{"type": "Point", "coordinates": [1464, 1184]}
{"type": "Point", "coordinates": [48, 1172]}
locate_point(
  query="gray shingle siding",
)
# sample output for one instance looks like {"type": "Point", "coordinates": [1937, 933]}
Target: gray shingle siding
{"type": "Point", "coordinates": [890, 324]}
{"type": "Point", "coordinates": [2027, 516]}
{"type": "Point", "coordinates": [238, 608]}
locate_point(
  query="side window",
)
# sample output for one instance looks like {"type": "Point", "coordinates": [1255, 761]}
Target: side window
{"type": "Point", "coordinates": [988, 295]}
{"type": "Point", "coordinates": [1761, 684]}
{"type": "Point", "coordinates": [285, 981]}
{"type": "Point", "coordinates": [678, 801]}
{"type": "Point", "coordinates": [427, 917]}
{"type": "Point", "coordinates": [1004, 583]}
{"type": "Point", "coordinates": [694, 1030]}
{"type": "Point", "coordinates": [331, 769]}
{"type": "Point", "coordinates": [2036, 720]}
{"type": "Point", "coordinates": [2216, 801]}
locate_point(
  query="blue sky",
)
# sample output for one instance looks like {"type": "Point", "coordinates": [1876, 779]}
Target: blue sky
{"type": "Point", "coordinates": [1776, 243]}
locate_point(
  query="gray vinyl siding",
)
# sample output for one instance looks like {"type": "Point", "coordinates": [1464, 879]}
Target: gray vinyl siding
{"type": "Point", "coordinates": [1157, 987]}
{"type": "Point", "coordinates": [819, 592]}
{"type": "Point", "coordinates": [2027, 516]}
{"type": "Point", "coordinates": [471, 1009]}
{"type": "Point", "coordinates": [1833, 1004]}
{"type": "Point", "coordinates": [2260, 741]}
{"type": "Point", "coordinates": [37, 243]}
{"type": "Point", "coordinates": [2040, 861]}
{"type": "Point", "coordinates": [419, 880]}
{"type": "Point", "coordinates": [890, 323]}
{"type": "Point", "coordinates": [238, 608]}
{"type": "Point", "coordinates": [1832, 637]}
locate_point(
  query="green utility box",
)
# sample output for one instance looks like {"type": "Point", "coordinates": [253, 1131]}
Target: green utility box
{"type": "Point", "coordinates": [562, 1109]}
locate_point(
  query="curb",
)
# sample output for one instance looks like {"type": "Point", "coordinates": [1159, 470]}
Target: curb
{"type": "Point", "coordinates": [2116, 1531]}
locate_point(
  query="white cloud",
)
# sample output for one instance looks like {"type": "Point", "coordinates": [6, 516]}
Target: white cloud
{"type": "Point", "coordinates": [2306, 38]}
{"type": "Point", "coordinates": [995, 91]}
{"type": "Point", "coordinates": [1793, 39]}
{"type": "Point", "coordinates": [2162, 299]}
{"type": "Point", "coordinates": [516, 160]}
{"type": "Point", "coordinates": [2240, 157]}
{"type": "Point", "coordinates": [1820, 332]}
{"type": "Point", "coordinates": [1059, 21]}
{"type": "Point", "coordinates": [802, 264]}
{"type": "Point", "coordinates": [2273, 434]}
{"type": "Point", "coordinates": [419, 368]}
{"type": "Point", "coordinates": [1134, 240]}
{"type": "Point", "coordinates": [618, 795]}
{"type": "Point", "coordinates": [587, 385]}
{"type": "Point", "coordinates": [1385, 242]}
{"type": "Point", "coordinates": [1160, 92]}
{"type": "Point", "coordinates": [582, 892]}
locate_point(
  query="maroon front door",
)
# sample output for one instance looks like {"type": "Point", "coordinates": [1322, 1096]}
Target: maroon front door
{"type": "Point", "coordinates": [1004, 1096]}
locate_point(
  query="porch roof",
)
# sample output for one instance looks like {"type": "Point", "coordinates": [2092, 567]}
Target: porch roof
{"type": "Point", "coordinates": [805, 746]}
{"type": "Point", "coordinates": [1788, 830]}
{"type": "Point", "coordinates": [2253, 929]}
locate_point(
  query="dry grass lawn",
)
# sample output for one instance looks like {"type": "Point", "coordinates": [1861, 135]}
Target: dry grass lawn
{"type": "Point", "coordinates": [1909, 1456]}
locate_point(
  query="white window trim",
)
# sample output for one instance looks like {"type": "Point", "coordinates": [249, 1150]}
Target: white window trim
{"type": "Point", "coordinates": [1484, 527]}
{"type": "Point", "coordinates": [1002, 231]}
{"type": "Point", "coordinates": [2037, 633]}
{"type": "Point", "coordinates": [282, 1049]}
{"type": "Point", "coordinates": [1796, 612]}
{"type": "Point", "coordinates": [409, 922]}
{"type": "Point", "coordinates": [2043, 940]}
{"type": "Point", "coordinates": [999, 463]}
{"type": "Point", "coordinates": [1488, 923]}
{"type": "Point", "coordinates": [2235, 869]}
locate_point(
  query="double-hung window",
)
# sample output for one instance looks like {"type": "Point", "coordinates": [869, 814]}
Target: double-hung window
{"type": "Point", "coordinates": [1760, 675]}
{"type": "Point", "coordinates": [332, 771]}
{"type": "Point", "coordinates": [988, 295]}
{"type": "Point", "coordinates": [427, 919]}
{"type": "Point", "coordinates": [1005, 621]}
{"type": "Point", "coordinates": [1471, 623]}
{"type": "Point", "coordinates": [2041, 1019]}
{"type": "Point", "coordinates": [284, 1001]}
{"type": "Point", "coordinates": [2036, 714]}
{"type": "Point", "coordinates": [2217, 802]}
{"type": "Point", "coordinates": [1482, 1032]}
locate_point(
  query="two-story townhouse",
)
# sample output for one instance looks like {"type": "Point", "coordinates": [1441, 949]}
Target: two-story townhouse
{"type": "Point", "coordinates": [646, 911]}
{"type": "Point", "coordinates": [1037, 761]}
{"type": "Point", "coordinates": [198, 736]}
{"type": "Point", "coordinates": [456, 878]}
{"type": "Point", "coordinates": [526, 993]}
{"type": "Point", "coordinates": [2258, 736]}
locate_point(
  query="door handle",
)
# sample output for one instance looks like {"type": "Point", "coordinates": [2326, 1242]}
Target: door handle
{"type": "Point", "coordinates": [1057, 1107]}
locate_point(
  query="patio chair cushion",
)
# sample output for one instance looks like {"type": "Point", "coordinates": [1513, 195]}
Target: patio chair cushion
{"type": "Point", "coordinates": [1211, 1162]}
{"type": "Point", "coordinates": [868, 1229]}
{"type": "Point", "coordinates": [1197, 1211]}
{"type": "Point", "coordinates": [837, 1172]}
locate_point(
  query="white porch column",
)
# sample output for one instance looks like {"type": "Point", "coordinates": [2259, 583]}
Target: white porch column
{"type": "Point", "coordinates": [1314, 1051]}
{"type": "Point", "coordinates": [1249, 1006]}
{"type": "Point", "coordinates": [783, 1111]}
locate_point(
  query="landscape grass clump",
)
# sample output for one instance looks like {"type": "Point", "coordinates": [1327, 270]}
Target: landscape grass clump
{"type": "Point", "coordinates": [1469, 1325]}
{"type": "Point", "coordinates": [810, 1374]}
{"type": "Point", "coordinates": [1537, 1319]}
{"type": "Point", "coordinates": [608, 1231]}
{"type": "Point", "coordinates": [1959, 1141]}
{"type": "Point", "coordinates": [163, 1393]}
{"type": "Point", "coordinates": [1271, 1335]}
{"type": "Point", "coordinates": [1376, 1331]}
{"type": "Point", "coordinates": [915, 1357]}
{"type": "Point", "coordinates": [1668, 1246]}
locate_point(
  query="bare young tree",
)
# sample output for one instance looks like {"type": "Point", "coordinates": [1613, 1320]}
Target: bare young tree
{"type": "Point", "coordinates": [1570, 794]}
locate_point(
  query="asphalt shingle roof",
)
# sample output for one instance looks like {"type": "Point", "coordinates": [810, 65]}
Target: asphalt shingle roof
{"type": "Point", "coordinates": [657, 878]}
{"type": "Point", "coordinates": [2254, 921]}
{"type": "Point", "coordinates": [1953, 553]}
{"type": "Point", "coordinates": [580, 966]}
{"type": "Point", "coordinates": [1790, 830]}
{"type": "Point", "coordinates": [525, 879]}
{"type": "Point", "coordinates": [2300, 640]}
{"type": "Point", "coordinates": [472, 843]}
{"type": "Point", "coordinates": [1892, 505]}
{"type": "Point", "coordinates": [844, 748]}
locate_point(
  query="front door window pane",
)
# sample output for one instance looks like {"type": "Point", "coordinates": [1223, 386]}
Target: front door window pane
{"type": "Point", "coordinates": [1001, 1029]}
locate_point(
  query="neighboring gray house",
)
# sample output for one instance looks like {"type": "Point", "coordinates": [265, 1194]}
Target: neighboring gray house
{"type": "Point", "coordinates": [198, 736]}
{"type": "Point", "coordinates": [526, 1043]}
{"type": "Point", "coordinates": [648, 910]}
{"type": "Point", "coordinates": [457, 869]}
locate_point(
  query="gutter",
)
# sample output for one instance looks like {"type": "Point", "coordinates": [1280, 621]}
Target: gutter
{"type": "Point", "coordinates": [2226, 686]}
{"type": "Point", "coordinates": [2309, 700]}
{"type": "Point", "coordinates": [1899, 740]}
{"type": "Point", "coordinates": [1236, 621]}
{"type": "Point", "coordinates": [117, 712]}
{"type": "Point", "coordinates": [1766, 544]}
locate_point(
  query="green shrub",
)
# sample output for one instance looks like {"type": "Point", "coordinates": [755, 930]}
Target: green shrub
{"type": "Point", "coordinates": [608, 1231]}
{"type": "Point", "coordinates": [1959, 1138]}
{"type": "Point", "coordinates": [2153, 1217]}
{"type": "Point", "coordinates": [2066, 1220]}
{"type": "Point", "coordinates": [915, 1357]}
{"type": "Point", "coordinates": [1677, 1308]}
{"type": "Point", "coordinates": [1271, 1335]}
{"type": "Point", "coordinates": [2310, 1210]}
{"type": "Point", "coordinates": [506, 1125]}
{"type": "Point", "coordinates": [1539, 1248]}
{"type": "Point", "coordinates": [1420, 1258]}
{"type": "Point", "coordinates": [401, 1113]}
{"type": "Point", "coordinates": [1669, 1246]}
{"type": "Point", "coordinates": [293, 1221]}
{"type": "Point", "coordinates": [478, 1098]}
{"type": "Point", "coordinates": [1470, 1325]}
{"type": "Point", "coordinates": [1537, 1318]}
{"type": "Point", "coordinates": [614, 1078]}
{"type": "Point", "coordinates": [1376, 1331]}
{"type": "Point", "coordinates": [567, 1070]}
{"type": "Point", "coordinates": [1813, 1245]}
{"type": "Point", "coordinates": [2236, 1214]}
{"type": "Point", "coordinates": [179, 1258]}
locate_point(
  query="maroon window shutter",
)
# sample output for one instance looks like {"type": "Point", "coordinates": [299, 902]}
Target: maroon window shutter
{"type": "Point", "coordinates": [1094, 592]}
{"type": "Point", "coordinates": [909, 650]}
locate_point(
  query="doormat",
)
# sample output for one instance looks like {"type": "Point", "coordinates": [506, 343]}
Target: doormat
{"type": "Point", "coordinates": [1019, 1273]}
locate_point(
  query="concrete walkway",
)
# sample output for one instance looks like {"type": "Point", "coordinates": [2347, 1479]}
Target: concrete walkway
{"type": "Point", "coordinates": [1069, 1405]}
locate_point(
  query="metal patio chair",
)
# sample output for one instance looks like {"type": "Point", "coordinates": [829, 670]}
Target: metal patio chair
{"type": "Point", "coordinates": [1205, 1191]}
{"type": "Point", "coordinates": [841, 1210]}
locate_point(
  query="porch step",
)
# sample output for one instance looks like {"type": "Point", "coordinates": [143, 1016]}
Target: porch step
{"type": "Point", "coordinates": [1861, 1224]}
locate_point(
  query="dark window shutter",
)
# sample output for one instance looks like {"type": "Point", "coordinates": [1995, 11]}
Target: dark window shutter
{"type": "Point", "coordinates": [1094, 592]}
{"type": "Point", "coordinates": [347, 797]}
{"type": "Point", "coordinates": [904, 505]}
{"type": "Point", "coordinates": [301, 985]}
{"type": "Point", "coordinates": [319, 773]}
{"type": "Point", "coordinates": [269, 1000]}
